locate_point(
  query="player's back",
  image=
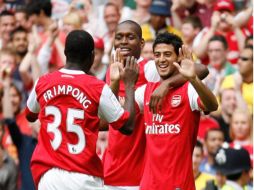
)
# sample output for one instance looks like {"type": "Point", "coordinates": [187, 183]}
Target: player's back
{"type": "Point", "coordinates": [69, 102]}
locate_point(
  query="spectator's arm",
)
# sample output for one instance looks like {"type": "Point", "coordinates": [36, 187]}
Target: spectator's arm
{"type": "Point", "coordinates": [241, 103]}
{"type": "Point", "coordinates": [9, 115]}
{"type": "Point", "coordinates": [242, 18]}
{"type": "Point", "coordinates": [238, 32]}
{"type": "Point", "coordinates": [60, 49]}
{"type": "Point", "coordinates": [200, 49]}
{"type": "Point", "coordinates": [29, 62]}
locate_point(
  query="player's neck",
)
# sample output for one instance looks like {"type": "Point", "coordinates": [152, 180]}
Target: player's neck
{"type": "Point", "coordinates": [73, 66]}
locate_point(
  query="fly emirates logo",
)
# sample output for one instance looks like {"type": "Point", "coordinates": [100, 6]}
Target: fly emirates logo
{"type": "Point", "coordinates": [161, 128]}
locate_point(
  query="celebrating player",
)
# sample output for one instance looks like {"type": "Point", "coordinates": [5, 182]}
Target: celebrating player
{"type": "Point", "coordinates": [69, 104]}
{"type": "Point", "coordinates": [171, 133]}
{"type": "Point", "coordinates": [124, 157]}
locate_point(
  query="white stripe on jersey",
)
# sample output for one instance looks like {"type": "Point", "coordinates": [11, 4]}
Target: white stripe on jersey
{"type": "Point", "coordinates": [32, 103]}
{"type": "Point", "coordinates": [193, 98]}
{"type": "Point", "coordinates": [109, 107]}
{"type": "Point", "coordinates": [139, 97]}
{"type": "Point", "coordinates": [151, 73]}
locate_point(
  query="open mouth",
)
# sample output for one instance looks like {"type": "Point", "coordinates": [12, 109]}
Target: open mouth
{"type": "Point", "coordinates": [125, 51]}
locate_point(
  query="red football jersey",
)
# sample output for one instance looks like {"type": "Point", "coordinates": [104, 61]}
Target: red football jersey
{"type": "Point", "coordinates": [170, 136]}
{"type": "Point", "coordinates": [69, 104]}
{"type": "Point", "coordinates": [124, 157]}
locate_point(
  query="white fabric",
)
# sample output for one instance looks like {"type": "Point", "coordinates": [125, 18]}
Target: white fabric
{"type": "Point", "coordinates": [108, 187]}
{"type": "Point", "coordinates": [139, 97]}
{"type": "Point", "coordinates": [151, 73]}
{"type": "Point", "coordinates": [32, 103]}
{"type": "Point", "coordinates": [193, 98]}
{"type": "Point", "coordinates": [109, 107]}
{"type": "Point", "coordinates": [44, 56]}
{"type": "Point", "coordinates": [56, 179]}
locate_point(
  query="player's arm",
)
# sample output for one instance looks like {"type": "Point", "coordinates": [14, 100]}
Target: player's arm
{"type": "Point", "coordinates": [186, 68]}
{"type": "Point", "coordinates": [159, 93]}
{"type": "Point", "coordinates": [33, 107]}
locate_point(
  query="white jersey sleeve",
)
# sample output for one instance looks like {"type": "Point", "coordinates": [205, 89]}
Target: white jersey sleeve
{"type": "Point", "coordinates": [109, 107]}
{"type": "Point", "coordinates": [32, 103]}
{"type": "Point", "coordinates": [139, 97]}
{"type": "Point", "coordinates": [150, 71]}
{"type": "Point", "coordinates": [193, 98]}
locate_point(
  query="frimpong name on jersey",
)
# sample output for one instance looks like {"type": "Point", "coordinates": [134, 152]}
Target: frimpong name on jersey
{"type": "Point", "coordinates": [67, 90]}
{"type": "Point", "coordinates": [160, 127]}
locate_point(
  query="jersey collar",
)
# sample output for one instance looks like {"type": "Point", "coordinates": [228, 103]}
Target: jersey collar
{"type": "Point", "coordinates": [72, 72]}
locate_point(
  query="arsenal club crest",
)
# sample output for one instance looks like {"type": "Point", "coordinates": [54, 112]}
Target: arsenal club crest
{"type": "Point", "coordinates": [176, 100]}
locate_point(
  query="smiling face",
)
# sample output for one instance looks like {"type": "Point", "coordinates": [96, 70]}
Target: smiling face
{"type": "Point", "coordinates": [128, 40]}
{"type": "Point", "coordinates": [164, 57]}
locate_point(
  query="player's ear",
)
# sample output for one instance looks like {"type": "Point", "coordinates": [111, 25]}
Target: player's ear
{"type": "Point", "coordinates": [142, 43]}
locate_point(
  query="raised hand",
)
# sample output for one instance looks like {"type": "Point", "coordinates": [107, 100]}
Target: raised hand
{"type": "Point", "coordinates": [187, 65]}
{"type": "Point", "coordinates": [130, 71]}
{"type": "Point", "coordinates": [116, 66]}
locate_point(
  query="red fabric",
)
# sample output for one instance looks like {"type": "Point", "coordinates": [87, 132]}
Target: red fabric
{"type": "Point", "coordinates": [206, 123]}
{"type": "Point", "coordinates": [171, 136]}
{"type": "Point", "coordinates": [45, 156]}
{"type": "Point", "coordinates": [124, 158]}
{"type": "Point", "coordinates": [23, 123]}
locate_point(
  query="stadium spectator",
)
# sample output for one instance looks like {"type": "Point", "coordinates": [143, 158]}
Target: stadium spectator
{"type": "Point", "coordinates": [20, 132]}
{"type": "Point", "coordinates": [222, 23]}
{"type": "Point", "coordinates": [201, 178]}
{"type": "Point", "coordinates": [8, 168]}
{"type": "Point", "coordinates": [81, 107]}
{"type": "Point", "coordinates": [241, 130]}
{"type": "Point", "coordinates": [218, 67]}
{"type": "Point", "coordinates": [242, 81]}
{"type": "Point", "coordinates": [184, 8]}
{"type": "Point", "coordinates": [147, 51]}
{"type": "Point", "coordinates": [171, 126]}
{"type": "Point", "coordinates": [25, 73]}
{"type": "Point", "coordinates": [160, 11]}
{"type": "Point", "coordinates": [190, 28]}
{"type": "Point", "coordinates": [213, 141]}
{"type": "Point", "coordinates": [228, 103]}
{"type": "Point", "coordinates": [7, 25]}
{"type": "Point", "coordinates": [98, 69]}
{"type": "Point", "coordinates": [21, 18]}
{"type": "Point", "coordinates": [141, 14]}
{"type": "Point", "coordinates": [236, 165]}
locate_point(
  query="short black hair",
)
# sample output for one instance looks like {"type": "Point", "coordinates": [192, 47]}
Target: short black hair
{"type": "Point", "coordinates": [220, 38]}
{"type": "Point", "coordinates": [6, 13]}
{"type": "Point", "coordinates": [40, 5]}
{"type": "Point", "coordinates": [170, 39]}
{"type": "Point", "coordinates": [33, 8]}
{"type": "Point", "coordinates": [46, 7]}
{"type": "Point", "coordinates": [17, 30]}
{"type": "Point", "coordinates": [199, 145]}
{"type": "Point", "coordinates": [138, 30]}
{"type": "Point", "coordinates": [79, 47]}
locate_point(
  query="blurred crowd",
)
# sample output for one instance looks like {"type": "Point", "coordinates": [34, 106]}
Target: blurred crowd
{"type": "Point", "coordinates": [219, 32]}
